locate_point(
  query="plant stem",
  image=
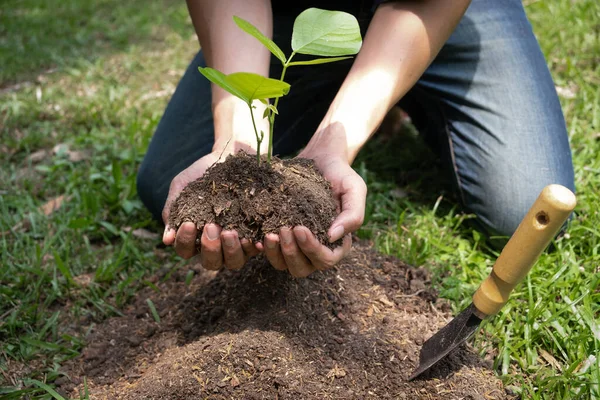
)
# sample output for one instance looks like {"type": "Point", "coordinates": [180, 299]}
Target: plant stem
{"type": "Point", "coordinates": [258, 138]}
{"type": "Point", "coordinates": [272, 114]}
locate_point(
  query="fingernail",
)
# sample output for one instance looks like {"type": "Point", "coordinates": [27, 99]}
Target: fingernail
{"type": "Point", "coordinates": [229, 241]}
{"type": "Point", "coordinates": [286, 236]}
{"type": "Point", "coordinates": [300, 235]}
{"type": "Point", "coordinates": [336, 233]}
{"type": "Point", "coordinates": [165, 232]}
{"type": "Point", "coordinates": [212, 232]}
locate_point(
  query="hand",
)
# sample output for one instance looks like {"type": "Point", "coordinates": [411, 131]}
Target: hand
{"type": "Point", "coordinates": [217, 247]}
{"type": "Point", "coordinates": [297, 249]}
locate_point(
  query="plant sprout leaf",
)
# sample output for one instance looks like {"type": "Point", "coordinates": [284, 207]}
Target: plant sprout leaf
{"type": "Point", "coordinates": [318, 61]}
{"type": "Point", "coordinates": [271, 108]}
{"type": "Point", "coordinates": [326, 33]}
{"type": "Point", "coordinates": [268, 43]}
{"type": "Point", "coordinates": [220, 79]}
{"type": "Point", "coordinates": [245, 85]}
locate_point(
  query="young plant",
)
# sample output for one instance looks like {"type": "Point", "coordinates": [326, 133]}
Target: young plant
{"type": "Point", "coordinates": [316, 32]}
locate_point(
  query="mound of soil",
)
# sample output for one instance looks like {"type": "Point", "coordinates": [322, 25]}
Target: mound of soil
{"type": "Point", "coordinates": [352, 332]}
{"type": "Point", "coordinates": [258, 199]}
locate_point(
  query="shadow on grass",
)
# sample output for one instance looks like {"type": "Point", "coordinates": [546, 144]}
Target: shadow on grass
{"type": "Point", "coordinates": [38, 37]}
{"type": "Point", "coordinates": [400, 168]}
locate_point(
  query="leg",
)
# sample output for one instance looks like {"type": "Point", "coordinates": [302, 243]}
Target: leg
{"type": "Point", "coordinates": [489, 104]}
{"type": "Point", "coordinates": [184, 134]}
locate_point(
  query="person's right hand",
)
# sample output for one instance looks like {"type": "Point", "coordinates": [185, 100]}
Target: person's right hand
{"type": "Point", "coordinates": [217, 247]}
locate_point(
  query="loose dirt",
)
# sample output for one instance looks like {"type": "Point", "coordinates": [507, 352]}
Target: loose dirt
{"type": "Point", "coordinates": [352, 332]}
{"type": "Point", "coordinates": [255, 200]}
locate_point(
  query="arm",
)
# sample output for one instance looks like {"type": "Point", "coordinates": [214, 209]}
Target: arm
{"type": "Point", "coordinates": [402, 40]}
{"type": "Point", "coordinates": [228, 49]}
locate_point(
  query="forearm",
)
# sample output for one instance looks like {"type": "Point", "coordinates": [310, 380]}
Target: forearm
{"type": "Point", "coordinates": [402, 40]}
{"type": "Point", "coordinates": [229, 49]}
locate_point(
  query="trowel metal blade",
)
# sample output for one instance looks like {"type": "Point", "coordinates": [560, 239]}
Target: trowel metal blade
{"type": "Point", "coordinates": [447, 339]}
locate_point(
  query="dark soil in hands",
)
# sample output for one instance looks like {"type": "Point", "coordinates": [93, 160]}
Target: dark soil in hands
{"type": "Point", "coordinates": [240, 195]}
{"type": "Point", "coordinates": [353, 332]}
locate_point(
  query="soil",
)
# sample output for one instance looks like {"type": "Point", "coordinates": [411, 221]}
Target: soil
{"type": "Point", "coordinates": [353, 332]}
{"type": "Point", "coordinates": [258, 199]}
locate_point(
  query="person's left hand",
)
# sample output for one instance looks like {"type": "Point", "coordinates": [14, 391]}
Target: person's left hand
{"type": "Point", "coordinates": [296, 249]}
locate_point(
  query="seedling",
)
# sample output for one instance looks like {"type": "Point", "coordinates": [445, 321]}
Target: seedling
{"type": "Point", "coordinates": [317, 32]}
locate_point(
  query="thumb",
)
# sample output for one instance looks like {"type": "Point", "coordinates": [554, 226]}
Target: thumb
{"type": "Point", "coordinates": [353, 196]}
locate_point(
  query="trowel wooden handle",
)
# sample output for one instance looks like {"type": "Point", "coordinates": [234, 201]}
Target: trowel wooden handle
{"type": "Point", "coordinates": [536, 230]}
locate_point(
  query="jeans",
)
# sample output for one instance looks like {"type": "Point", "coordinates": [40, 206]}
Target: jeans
{"type": "Point", "coordinates": [487, 103]}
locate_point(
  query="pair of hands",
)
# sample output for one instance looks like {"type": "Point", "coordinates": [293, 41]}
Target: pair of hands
{"type": "Point", "coordinates": [295, 249]}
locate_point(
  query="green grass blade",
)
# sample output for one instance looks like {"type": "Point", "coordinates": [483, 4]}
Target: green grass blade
{"type": "Point", "coordinates": [47, 388]}
{"type": "Point", "coordinates": [153, 310]}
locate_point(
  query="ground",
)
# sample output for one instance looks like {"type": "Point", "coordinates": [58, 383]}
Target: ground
{"type": "Point", "coordinates": [82, 87]}
{"type": "Point", "coordinates": [353, 332]}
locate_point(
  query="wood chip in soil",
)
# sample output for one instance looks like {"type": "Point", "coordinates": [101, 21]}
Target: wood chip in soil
{"type": "Point", "coordinates": [353, 332]}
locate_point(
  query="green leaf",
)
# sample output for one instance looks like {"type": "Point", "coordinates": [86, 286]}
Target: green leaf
{"type": "Point", "coordinates": [117, 172]}
{"type": "Point", "coordinates": [153, 310]}
{"type": "Point", "coordinates": [45, 387]}
{"type": "Point", "coordinates": [270, 107]}
{"type": "Point", "coordinates": [268, 43]}
{"type": "Point", "coordinates": [110, 227]}
{"type": "Point", "coordinates": [318, 61]}
{"type": "Point", "coordinates": [41, 344]}
{"type": "Point", "coordinates": [63, 268]}
{"type": "Point", "coordinates": [326, 33]}
{"type": "Point", "coordinates": [246, 85]}
{"type": "Point", "coordinates": [79, 223]}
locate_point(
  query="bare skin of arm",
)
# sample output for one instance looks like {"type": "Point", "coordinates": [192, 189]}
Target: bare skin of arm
{"type": "Point", "coordinates": [402, 40]}
{"type": "Point", "coordinates": [228, 49]}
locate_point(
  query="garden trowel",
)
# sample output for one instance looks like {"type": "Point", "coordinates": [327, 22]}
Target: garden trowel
{"type": "Point", "coordinates": [547, 215]}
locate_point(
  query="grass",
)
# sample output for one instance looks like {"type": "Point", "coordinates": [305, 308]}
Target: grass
{"type": "Point", "coordinates": [96, 79]}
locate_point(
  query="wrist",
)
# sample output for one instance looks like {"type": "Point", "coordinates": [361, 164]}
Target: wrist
{"type": "Point", "coordinates": [328, 142]}
{"type": "Point", "coordinates": [233, 126]}
{"type": "Point", "coordinates": [339, 137]}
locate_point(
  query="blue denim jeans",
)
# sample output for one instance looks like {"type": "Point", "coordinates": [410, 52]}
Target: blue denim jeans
{"type": "Point", "coordinates": [487, 103]}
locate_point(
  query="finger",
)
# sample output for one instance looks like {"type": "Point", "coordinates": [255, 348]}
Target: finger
{"type": "Point", "coordinates": [185, 240]}
{"type": "Point", "coordinates": [232, 250]}
{"type": "Point", "coordinates": [298, 265]}
{"type": "Point", "coordinates": [211, 252]}
{"type": "Point", "coordinates": [176, 186]}
{"type": "Point", "coordinates": [273, 252]}
{"type": "Point", "coordinates": [260, 247]}
{"type": "Point", "coordinates": [249, 248]}
{"type": "Point", "coordinates": [320, 256]}
{"type": "Point", "coordinates": [168, 236]}
{"type": "Point", "coordinates": [353, 198]}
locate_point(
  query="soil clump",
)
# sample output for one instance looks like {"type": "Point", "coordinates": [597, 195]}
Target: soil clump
{"type": "Point", "coordinates": [257, 199]}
